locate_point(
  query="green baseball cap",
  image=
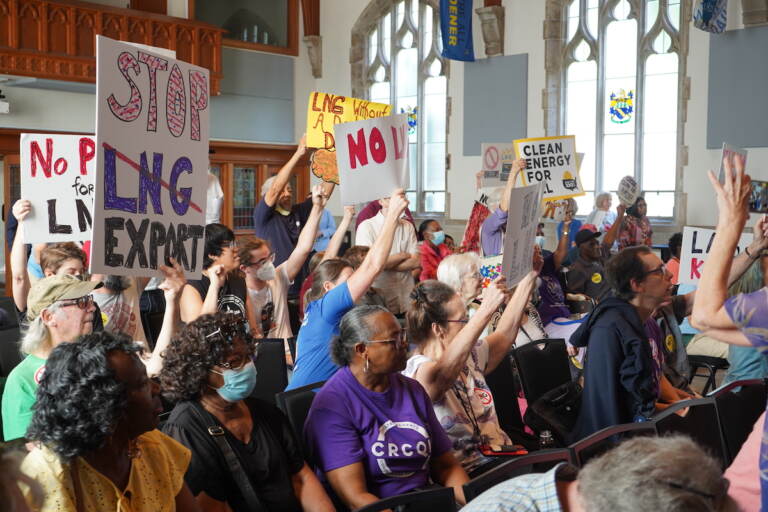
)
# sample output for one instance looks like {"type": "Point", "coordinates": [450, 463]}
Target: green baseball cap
{"type": "Point", "coordinates": [48, 290]}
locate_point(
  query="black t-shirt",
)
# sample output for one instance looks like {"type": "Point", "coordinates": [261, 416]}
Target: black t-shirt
{"type": "Point", "coordinates": [231, 296]}
{"type": "Point", "coordinates": [270, 459]}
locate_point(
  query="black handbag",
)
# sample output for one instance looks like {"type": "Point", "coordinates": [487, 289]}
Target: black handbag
{"type": "Point", "coordinates": [556, 410]}
{"type": "Point", "coordinates": [238, 473]}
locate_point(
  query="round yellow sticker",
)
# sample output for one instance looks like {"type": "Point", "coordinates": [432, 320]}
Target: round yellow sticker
{"type": "Point", "coordinates": [669, 341]}
{"type": "Point", "coordinates": [104, 318]}
{"type": "Point", "coordinates": [597, 278]}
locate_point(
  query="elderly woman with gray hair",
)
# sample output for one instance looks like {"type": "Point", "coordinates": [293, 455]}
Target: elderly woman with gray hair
{"type": "Point", "coordinates": [602, 217]}
{"type": "Point", "coordinates": [372, 431]}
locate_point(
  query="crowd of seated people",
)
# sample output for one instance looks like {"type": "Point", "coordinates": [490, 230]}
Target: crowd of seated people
{"type": "Point", "coordinates": [396, 336]}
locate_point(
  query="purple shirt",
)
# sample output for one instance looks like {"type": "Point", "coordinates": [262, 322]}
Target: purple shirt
{"type": "Point", "coordinates": [552, 303]}
{"type": "Point", "coordinates": [394, 434]}
{"type": "Point", "coordinates": [749, 311]}
{"type": "Point", "coordinates": [492, 234]}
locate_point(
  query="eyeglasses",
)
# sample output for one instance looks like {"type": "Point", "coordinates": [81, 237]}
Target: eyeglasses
{"type": "Point", "coordinates": [236, 364]}
{"type": "Point", "coordinates": [661, 270]}
{"type": "Point", "coordinates": [459, 321]}
{"type": "Point", "coordinates": [230, 245]}
{"type": "Point", "coordinates": [262, 261]}
{"type": "Point", "coordinates": [83, 302]}
{"type": "Point", "coordinates": [400, 340]}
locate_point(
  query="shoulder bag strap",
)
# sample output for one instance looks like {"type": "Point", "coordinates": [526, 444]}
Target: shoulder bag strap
{"type": "Point", "coordinates": [75, 474]}
{"type": "Point", "coordinates": [238, 473]}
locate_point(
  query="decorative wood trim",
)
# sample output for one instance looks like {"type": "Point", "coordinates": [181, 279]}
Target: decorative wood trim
{"type": "Point", "coordinates": [65, 59]}
{"type": "Point", "coordinates": [292, 36]}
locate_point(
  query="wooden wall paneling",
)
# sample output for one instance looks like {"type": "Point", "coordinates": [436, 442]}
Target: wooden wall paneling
{"type": "Point", "coordinates": [155, 6]}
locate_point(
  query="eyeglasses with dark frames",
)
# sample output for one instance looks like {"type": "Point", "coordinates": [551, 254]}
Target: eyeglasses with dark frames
{"type": "Point", "coordinates": [661, 270]}
{"type": "Point", "coordinates": [258, 264]}
{"type": "Point", "coordinates": [83, 302]}
{"type": "Point", "coordinates": [464, 320]}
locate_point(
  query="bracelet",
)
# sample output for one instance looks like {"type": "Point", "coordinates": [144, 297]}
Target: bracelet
{"type": "Point", "coordinates": [566, 233]}
{"type": "Point", "coordinates": [746, 250]}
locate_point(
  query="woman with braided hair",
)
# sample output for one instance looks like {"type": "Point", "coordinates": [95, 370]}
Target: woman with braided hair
{"type": "Point", "coordinates": [451, 360]}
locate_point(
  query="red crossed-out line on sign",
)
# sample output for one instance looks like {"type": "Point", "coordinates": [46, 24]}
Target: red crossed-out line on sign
{"type": "Point", "coordinates": [136, 166]}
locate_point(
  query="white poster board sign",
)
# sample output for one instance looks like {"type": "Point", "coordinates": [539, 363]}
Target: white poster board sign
{"type": "Point", "coordinates": [522, 219]}
{"type": "Point", "coordinates": [629, 191]}
{"type": "Point", "coordinates": [57, 178]}
{"type": "Point", "coordinates": [551, 161]}
{"type": "Point", "coordinates": [497, 162]}
{"type": "Point", "coordinates": [152, 160]}
{"type": "Point", "coordinates": [696, 245]}
{"type": "Point", "coordinates": [372, 156]}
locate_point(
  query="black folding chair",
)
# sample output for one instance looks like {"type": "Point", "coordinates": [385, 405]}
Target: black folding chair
{"type": "Point", "coordinates": [271, 369]}
{"type": "Point", "coordinates": [709, 365]}
{"type": "Point", "coordinates": [739, 405]}
{"type": "Point", "coordinates": [430, 500]}
{"type": "Point", "coordinates": [295, 404]}
{"type": "Point", "coordinates": [542, 365]}
{"type": "Point", "coordinates": [605, 439]}
{"type": "Point", "coordinates": [701, 423]}
{"type": "Point", "coordinates": [537, 462]}
{"type": "Point", "coordinates": [501, 382]}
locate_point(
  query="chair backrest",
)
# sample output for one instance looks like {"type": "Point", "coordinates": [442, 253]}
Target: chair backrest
{"type": "Point", "coordinates": [739, 405]}
{"type": "Point", "coordinates": [501, 382]}
{"type": "Point", "coordinates": [430, 500]}
{"type": "Point", "coordinates": [295, 404]}
{"type": "Point", "coordinates": [701, 423]}
{"type": "Point", "coordinates": [605, 439]}
{"type": "Point", "coordinates": [271, 370]}
{"type": "Point", "coordinates": [542, 365]}
{"type": "Point", "coordinates": [10, 335]}
{"type": "Point", "coordinates": [537, 462]}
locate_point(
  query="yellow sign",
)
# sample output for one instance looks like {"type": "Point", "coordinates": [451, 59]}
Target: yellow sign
{"type": "Point", "coordinates": [597, 278]}
{"type": "Point", "coordinates": [554, 161]}
{"type": "Point", "coordinates": [326, 110]}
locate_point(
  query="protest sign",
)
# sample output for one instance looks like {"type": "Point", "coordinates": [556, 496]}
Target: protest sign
{"type": "Point", "coordinates": [732, 153]}
{"type": "Point", "coordinates": [57, 178]}
{"type": "Point", "coordinates": [496, 157]}
{"type": "Point", "coordinates": [372, 157]}
{"type": "Point", "coordinates": [152, 158]}
{"type": "Point", "coordinates": [551, 161]}
{"type": "Point", "coordinates": [490, 269]}
{"type": "Point", "coordinates": [522, 220]}
{"type": "Point", "coordinates": [327, 110]}
{"type": "Point", "coordinates": [696, 245]}
{"type": "Point", "coordinates": [628, 191]}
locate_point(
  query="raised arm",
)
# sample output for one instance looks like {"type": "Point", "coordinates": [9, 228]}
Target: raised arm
{"type": "Point", "coordinates": [376, 259]}
{"type": "Point", "coordinates": [20, 285]}
{"type": "Point", "coordinates": [192, 306]}
{"type": "Point", "coordinates": [332, 251]}
{"type": "Point", "coordinates": [172, 286]}
{"type": "Point", "coordinates": [282, 177]}
{"type": "Point", "coordinates": [307, 236]}
{"type": "Point", "coordinates": [745, 259]}
{"type": "Point", "coordinates": [501, 340]}
{"type": "Point", "coordinates": [437, 377]}
{"type": "Point", "coordinates": [517, 167]}
{"type": "Point", "coordinates": [732, 201]}
{"type": "Point", "coordinates": [613, 232]}
{"type": "Point", "coordinates": [562, 245]}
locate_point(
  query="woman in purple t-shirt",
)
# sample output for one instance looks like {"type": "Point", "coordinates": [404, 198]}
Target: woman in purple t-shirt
{"type": "Point", "coordinates": [372, 431]}
{"type": "Point", "coordinates": [742, 319]}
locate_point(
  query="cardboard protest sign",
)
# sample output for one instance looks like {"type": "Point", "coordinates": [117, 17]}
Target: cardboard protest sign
{"type": "Point", "coordinates": [490, 269]}
{"type": "Point", "coordinates": [496, 158]}
{"type": "Point", "coordinates": [372, 157]}
{"type": "Point", "coordinates": [323, 113]}
{"type": "Point", "coordinates": [152, 158]}
{"type": "Point", "coordinates": [732, 153]}
{"type": "Point", "coordinates": [696, 245]}
{"type": "Point", "coordinates": [551, 161]}
{"type": "Point", "coordinates": [629, 191]}
{"type": "Point", "coordinates": [57, 178]}
{"type": "Point", "coordinates": [522, 220]}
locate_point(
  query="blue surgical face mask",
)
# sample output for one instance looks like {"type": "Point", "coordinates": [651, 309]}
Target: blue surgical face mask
{"type": "Point", "coordinates": [540, 241]}
{"type": "Point", "coordinates": [438, 237]}
{"type": "Point", "coordinates": [238, 384]}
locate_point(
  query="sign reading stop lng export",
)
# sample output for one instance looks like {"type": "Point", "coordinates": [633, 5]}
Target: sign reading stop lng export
{"type": "Point", "coordinates": [152, 160]}
{"type": "Point", "coordinates": [57, 178]}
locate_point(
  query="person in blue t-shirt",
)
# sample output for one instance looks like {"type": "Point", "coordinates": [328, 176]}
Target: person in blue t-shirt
{"type": "Point", "coordinates": [335, 289]}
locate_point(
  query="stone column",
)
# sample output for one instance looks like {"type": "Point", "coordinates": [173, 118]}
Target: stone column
{"type": "Point", "coordinates": [492, 21]}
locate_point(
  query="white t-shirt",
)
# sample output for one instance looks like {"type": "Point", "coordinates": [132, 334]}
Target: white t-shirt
{"type": "Point", "coordinates": [120, 312]}
{"type": "Point", "coordinates": [468, 401]}
{"type": "Point", "coordinates": [394, 286]}
{"type": "Point", "coordinates": [215, 198]}
{"type": "Point", "coordinates": [275, 317]}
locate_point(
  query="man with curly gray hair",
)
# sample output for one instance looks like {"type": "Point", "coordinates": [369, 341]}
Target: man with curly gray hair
{"type": "Point", "coordinates": [663, 474]}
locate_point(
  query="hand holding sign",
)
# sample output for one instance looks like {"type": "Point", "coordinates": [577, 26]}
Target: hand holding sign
{"type": "Point", "coordinates": [318, 199]}
{"type": "Point", "coordinates": [21, 209]}
{"type": "Point", "coordinates": [734, 194]}
{"type": "Point", "coordinates": [174, 280]}
{"type": "Point", "coordinates": [397, 203]}
{"type": "Point", "coordinates": [628, 191]}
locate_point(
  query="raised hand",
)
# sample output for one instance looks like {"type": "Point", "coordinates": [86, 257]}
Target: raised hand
{"type": "Point", "coordinates": [302, 147]}
{"type": "Point", "coordinates": [174, 280]}
{"type": "Point", "coordinates": [318, 199]}
{"type": "Point", "coordinates": [217, 275]}
{"type": "Point", "coordinates": [733, 195]}
{"type": "Point", "coordinates": [538, 259]}
{"type": "Point", "coordinates": [397, 203]}
{"type": "Point", "coordinates": [495, 295]}
{"type": "Point", "coordinates": [21, 209]}
{"type": "Point", "coordinates": [349, 212]}
{"type": "Point", "coordinates": [760, 234]}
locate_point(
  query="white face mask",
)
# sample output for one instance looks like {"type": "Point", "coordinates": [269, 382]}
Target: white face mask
{"type": "Point", "coordinates": [266, 272]}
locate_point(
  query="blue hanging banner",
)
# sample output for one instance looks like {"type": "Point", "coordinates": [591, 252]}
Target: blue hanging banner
{"type": "Point", "coordinates": [456, 28]}
{"type": "Point", "coordinates": [710, 15]}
